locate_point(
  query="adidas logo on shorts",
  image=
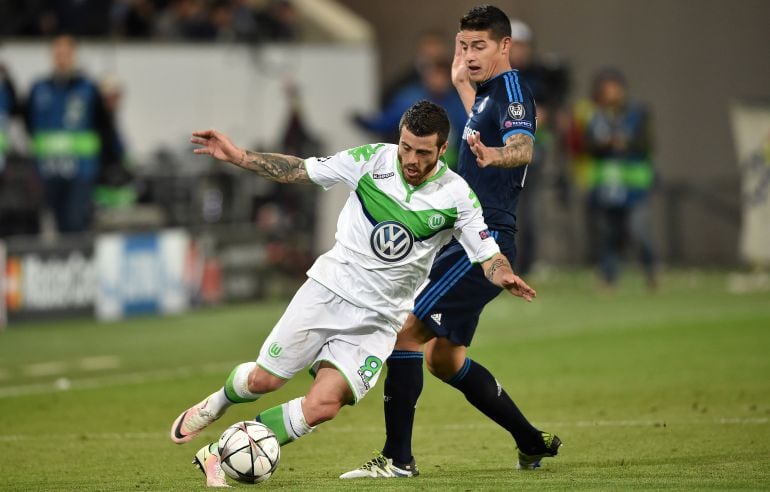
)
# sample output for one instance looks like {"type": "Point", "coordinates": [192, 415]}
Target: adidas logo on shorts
{"type": "Point", "coordinates": [436, 317]}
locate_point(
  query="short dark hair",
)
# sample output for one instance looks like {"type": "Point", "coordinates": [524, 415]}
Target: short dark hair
{"type": "Point", "coordinates": [425, 118]}
{"type": "Point", "coordinates": [487, 18]}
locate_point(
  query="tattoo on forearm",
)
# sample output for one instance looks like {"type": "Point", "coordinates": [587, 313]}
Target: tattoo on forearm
{"type": "Point", "coordinates": [494, 267]}
{"type": "Point", "coordinates": [517, 151]}
{"type": "Point", "coordinates": [276, 167]}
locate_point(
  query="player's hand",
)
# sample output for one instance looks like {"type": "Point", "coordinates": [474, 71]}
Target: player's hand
{"type": "Point", "coordinates": [516, 286]}
{"type": "Point", "coordinates": [217, 145]}
{"type": "Point", "coordinates": [460, 78]}
{"type": "Point", "coordinates": [485, 156]}
{"type": "Point", "coordinates": [459, 69]}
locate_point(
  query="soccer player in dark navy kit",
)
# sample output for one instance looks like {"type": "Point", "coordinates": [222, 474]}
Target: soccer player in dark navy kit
{"type": "Point", "coordinates": [498, 145]}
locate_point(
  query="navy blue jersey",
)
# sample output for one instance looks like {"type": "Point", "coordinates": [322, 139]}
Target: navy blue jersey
{"type": "Point", "coordinates": [504, 106]}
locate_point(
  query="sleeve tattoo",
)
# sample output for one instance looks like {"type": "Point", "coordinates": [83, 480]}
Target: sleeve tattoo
{"type": "Point", "coordinates": [494, 267]}
{"type": "Point", "coordinates": [276, 167]}
{"type": "Point", "coordinates": [517, 150]}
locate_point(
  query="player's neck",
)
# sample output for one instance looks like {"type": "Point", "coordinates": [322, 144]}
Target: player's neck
{"type": "Point", "coordinates": [499, 69]}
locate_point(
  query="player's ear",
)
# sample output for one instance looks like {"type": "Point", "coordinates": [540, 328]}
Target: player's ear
{"type": "Point", "coordinates": [442, 149]}
{"type": "Point", "coordinates": [505, 45]}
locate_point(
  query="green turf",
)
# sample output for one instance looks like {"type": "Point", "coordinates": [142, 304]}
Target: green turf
{"type": "Point", "coordinates": [663, 391]}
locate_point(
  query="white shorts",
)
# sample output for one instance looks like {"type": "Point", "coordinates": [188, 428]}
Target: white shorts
{"type": "Point", "coordinates": [320, 326]}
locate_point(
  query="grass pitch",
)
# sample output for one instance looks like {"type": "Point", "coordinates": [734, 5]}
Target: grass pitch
{"type": "Point", "coordinates": [663, 391]}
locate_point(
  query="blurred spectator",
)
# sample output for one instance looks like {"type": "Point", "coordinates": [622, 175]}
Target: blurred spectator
{"type": "Point", "coordinates": [111, 92]}
{"type": "Point", "coordinates": [185, 19]}
{"type": "Point", "coordinates": [203, 20]}
{"type": "Point", "coordinates": [548, 81]}
{"type": "Point", "coordinates": [549, 84]}
{"type": "Point", "coordinates": [167, 23]}
{"type": "Point", "coordinates": [244, 21]}
{"type": "Point", "coordinates": [50, 17]}
{"type": "Point", "coordinates": [85, 18]}
{"type": "Point", "coordinates": [113, 188]}
{"type": "Point", "coordinates": [279, 21]}
{"type": "Point", "coordinates": [8, 106]}
{"type": "Point", "coordinates": [20, 189]}
{"type": "Point", "coordinates": [432, 47]}
{"type": "Point", "coordinates": [221, 18]}
{"type": "Point", "coordinates": [21, 197]}
{"type": "Point", "coordinates": [27, 18]}
{"type": "Point", "coordinates": [69, 127]}
{"type": "Point", "coordinates": [435, 85]}
{"type": "Point", "coordinates": [615, 139]}
{"type": "Point", "coordinates": [133, 18]}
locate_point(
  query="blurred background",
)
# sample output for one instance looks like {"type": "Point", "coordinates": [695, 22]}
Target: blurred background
{"type": "Point", "coordinates": [653, 142]}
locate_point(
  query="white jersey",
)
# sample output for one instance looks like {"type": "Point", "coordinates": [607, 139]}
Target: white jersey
{"type": "Point", "coordinates": [389, 231]}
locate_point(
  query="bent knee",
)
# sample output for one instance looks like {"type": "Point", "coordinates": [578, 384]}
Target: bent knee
{"type": "Point", "coordinates": [261, 381]}
{"type": "Point", "coordinates": [444, 359]}
{"type": "Point", "coordinates": [442, 369]}
{"type": "Point", "coordinates": [413, 334]}
{"type": "Point", "coordinates": [318, 411]}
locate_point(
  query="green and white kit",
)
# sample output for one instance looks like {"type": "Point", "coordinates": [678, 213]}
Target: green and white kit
{"type": "Point", "coordinates": [388, 234]}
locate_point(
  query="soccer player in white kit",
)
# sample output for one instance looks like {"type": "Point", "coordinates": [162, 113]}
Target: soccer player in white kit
{"type": "Point", "coordinates": [404, 205]}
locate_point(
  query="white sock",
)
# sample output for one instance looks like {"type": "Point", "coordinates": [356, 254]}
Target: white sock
{"type": "Point", "coordinates": [218, 402]}
{"type": "Point", "coordinates": [235, 390]}
{"type": "Point", "coordinates": [294, 418]}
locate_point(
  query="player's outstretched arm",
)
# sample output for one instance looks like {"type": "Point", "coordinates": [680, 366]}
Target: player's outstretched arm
{"type": "Point", "coordinates": [498, 271]}
{"type": "Point", "coordinates": [276, 167]}
{"type": "Point", "coordinates": [517, 151]}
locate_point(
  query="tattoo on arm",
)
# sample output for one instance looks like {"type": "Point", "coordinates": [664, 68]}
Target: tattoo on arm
{"type": "Point", "coordinates": [494, 267]}
{"type": "Point", "coordinates": [517, 151]}
{"type": "Point", "coordinates": [276, 167]}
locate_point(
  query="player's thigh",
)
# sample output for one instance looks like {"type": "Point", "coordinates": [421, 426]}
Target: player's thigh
{"type": "Point", "coordinates": [444, 357]}
{"type": "Point", "coordinates": [450, 303]}
{"type": "Point", "coordinates": [413, 335]}
{"type": "Point", "coordinates": [328, 393]}
{"type": "Point", "coordinates": [358, 350]}
{"type": "Point", "coordinates": [299, 335]}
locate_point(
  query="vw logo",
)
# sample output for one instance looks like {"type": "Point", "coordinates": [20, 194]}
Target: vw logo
{"type": "Point", "coordinates": [391, 241]}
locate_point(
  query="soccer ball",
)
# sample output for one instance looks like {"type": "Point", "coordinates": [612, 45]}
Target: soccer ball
{"type": "Point", "coordinates": [249, 452]}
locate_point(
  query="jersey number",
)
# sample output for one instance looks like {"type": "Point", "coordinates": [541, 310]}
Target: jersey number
{"type": "Point", "coordinates": [365, 151]}
{"type": "Point", "coordinates": [474, 199]}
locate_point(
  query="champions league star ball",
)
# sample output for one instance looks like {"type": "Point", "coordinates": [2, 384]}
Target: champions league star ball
{"type": "Point", "coordinates": [249, 452]}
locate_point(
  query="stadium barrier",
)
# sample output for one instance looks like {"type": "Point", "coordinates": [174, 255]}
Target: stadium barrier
{"type": "Point", "coordinates": [140, 274]}
{"type": "Point", "coordinates": [48, 280]}
{"type": "Point", "coordinates": [118, 275]}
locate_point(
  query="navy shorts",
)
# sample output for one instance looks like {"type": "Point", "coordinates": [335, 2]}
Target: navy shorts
{"type": "Point", "coordinates": [457, 291]}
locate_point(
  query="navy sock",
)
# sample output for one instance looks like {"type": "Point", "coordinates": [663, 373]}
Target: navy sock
{"type": "Point", "coordinates": [403, 385]}
{"type": "Point", "coordinates": [483, 391]}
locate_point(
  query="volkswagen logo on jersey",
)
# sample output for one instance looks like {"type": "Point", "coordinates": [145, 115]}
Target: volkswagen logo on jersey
{"type": "Point", "coordinates": [516, 111]}
{"type": "Point", "coordinates": [391, 241]}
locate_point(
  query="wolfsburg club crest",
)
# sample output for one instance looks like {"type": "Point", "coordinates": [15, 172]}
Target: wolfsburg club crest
{"type": "Point", "coordinates": [436, 221]}
{"type": "Point", "coordinates": [391, 241]}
